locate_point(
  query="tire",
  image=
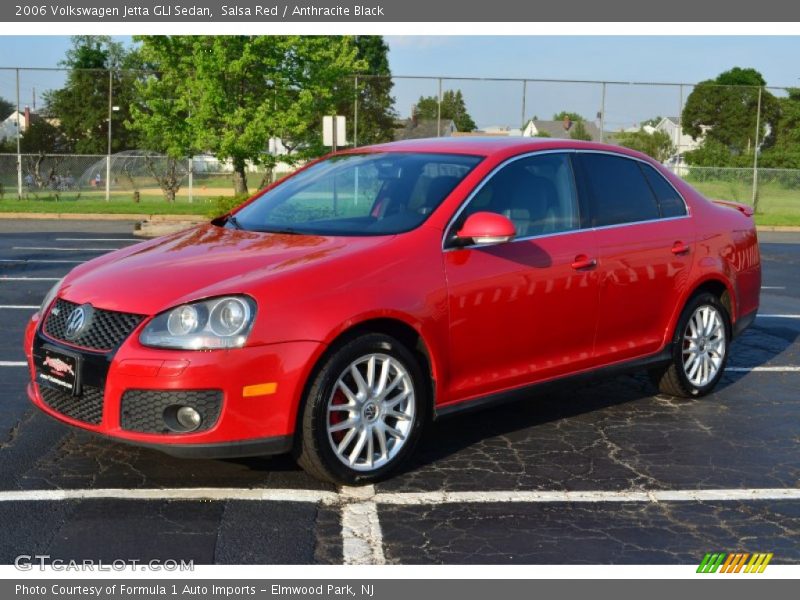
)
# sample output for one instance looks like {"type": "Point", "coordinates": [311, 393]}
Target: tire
{"type": "Point", "coordinates": [686, 378]}
{"type": "Point", "coordinates": [330, 444]}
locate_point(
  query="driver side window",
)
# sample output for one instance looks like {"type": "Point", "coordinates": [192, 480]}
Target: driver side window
{"type": "Point", "coordinates": [537, 193]}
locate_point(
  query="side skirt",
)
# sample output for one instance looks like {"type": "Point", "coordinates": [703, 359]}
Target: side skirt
{"type": "Point", "coordinates": [521, 393]}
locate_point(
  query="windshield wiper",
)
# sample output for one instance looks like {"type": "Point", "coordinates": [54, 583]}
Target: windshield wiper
{"type": "Point", "coordinates": [287, 230]}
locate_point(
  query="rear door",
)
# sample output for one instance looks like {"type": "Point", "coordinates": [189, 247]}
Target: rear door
{"type": "Point", "coordinates": [645, 244]}
{"type": "Point", "coordinates": [526, 310]}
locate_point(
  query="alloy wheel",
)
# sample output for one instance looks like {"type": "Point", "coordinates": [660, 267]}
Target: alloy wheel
{"type": "Point", "coordinates": [370, 412]}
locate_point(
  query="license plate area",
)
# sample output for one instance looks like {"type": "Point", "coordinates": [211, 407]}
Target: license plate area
{"type": "Point", "coordinates": [58, 369]}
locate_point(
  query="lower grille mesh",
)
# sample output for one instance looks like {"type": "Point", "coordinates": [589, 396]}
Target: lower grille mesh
{"type": "Point", "coordinates": [143, 410]}
{"type": "Point", "coordinates": [87, 407]}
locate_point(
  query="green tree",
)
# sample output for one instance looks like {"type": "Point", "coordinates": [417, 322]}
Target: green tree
{"type": "Point", "coordinates": [376, 115]}
{"type": "Point", "coordinates": [657, 145]}
{"type": "Point", "coordinates": [81, 106]}
{"type": "Point", "coordinates": [578, 132]}
{"type": "Point", "coordinates": [453, 107]}
{"type": "Point", "coordinates": [573, 116]}
{"type": "Point", "coordinates": [6, 108]}
{"type": "Point", "coordinates": [725, 109]}
{"type": "Point", "coordinates": [785, 152]}
{"type": "Point", "coordinates": [652, 122]}
{"type": "Point", "coordinates": [234, 93]}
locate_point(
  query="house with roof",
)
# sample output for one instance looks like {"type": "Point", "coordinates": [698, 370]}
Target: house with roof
{"type": "Point", "coordinates": [559, 129]}
{"type": "Point", "coordinates": [682, 142]}
{"type": "Point", "coordinates": [416, 128]}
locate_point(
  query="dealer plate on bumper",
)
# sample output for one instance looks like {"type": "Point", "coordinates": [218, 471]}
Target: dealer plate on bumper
{"type": "Point", "coordinates": [58, 369]}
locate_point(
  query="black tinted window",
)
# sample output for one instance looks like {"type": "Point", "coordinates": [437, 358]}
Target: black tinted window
{"type": "Point", "coordinates": [618, 189]}
{"type": "Point", "coordinates": [671, 203]}
{"type": "Point", "coordinates": [537, 193]}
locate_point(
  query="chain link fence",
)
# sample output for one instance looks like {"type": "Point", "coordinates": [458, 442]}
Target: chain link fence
{"type": "Point", "coordinates": [110, 166]}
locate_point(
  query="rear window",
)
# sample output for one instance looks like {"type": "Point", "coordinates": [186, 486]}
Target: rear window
{"type": "Point", "coordinates": [669, 200]}
{"type": "Point", "coordinates": [618, 190]}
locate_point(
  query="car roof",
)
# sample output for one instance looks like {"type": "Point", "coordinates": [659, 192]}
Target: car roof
{"type": "Point", "coordinates": [488, 146]}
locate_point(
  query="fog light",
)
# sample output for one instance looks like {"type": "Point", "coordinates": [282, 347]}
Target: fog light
{"type": "Point", "coordinates": [188, 418]}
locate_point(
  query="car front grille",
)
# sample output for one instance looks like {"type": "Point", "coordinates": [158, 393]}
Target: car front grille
{"type": "Point", "coordinates": [143, 411]}
{"type": "Point", "coordinates": [107, 330]}
{"type": "Point", "coordinates": [88, 407]}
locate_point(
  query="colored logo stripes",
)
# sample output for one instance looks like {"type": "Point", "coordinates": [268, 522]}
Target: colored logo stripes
{"type": "Point", "coordinates": [734, 563]}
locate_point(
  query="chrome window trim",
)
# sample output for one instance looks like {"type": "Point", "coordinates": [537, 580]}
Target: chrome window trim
{"type": "Point", "coordinates": [512, 159]}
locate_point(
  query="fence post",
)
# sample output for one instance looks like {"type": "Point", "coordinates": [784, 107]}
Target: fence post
{"type": "Point", "coordinates": [439, 111]}
{"type": "Point", "coordinates": [678, 168]}
{"type": "Point", "coordinates": [110, 111]}
{"type": "Point", "coordinates": [524, 101]}
{"type": "Point", "coordinates": [355, 112]}
{"type": "Point", "coordinates": [191, 179]}
{"type": "Point", "coordinates": [19, 153]}
{"type": "Point", "coordinates": [755, 154]}
{"type": "Point", "coordinates": [603, 114]}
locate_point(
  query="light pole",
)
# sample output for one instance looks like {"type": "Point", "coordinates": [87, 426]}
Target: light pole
{"type": "Point", "coordinates": [111, 110]}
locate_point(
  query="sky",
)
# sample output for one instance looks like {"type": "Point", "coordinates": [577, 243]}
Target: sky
{"type": "Point", "coordinates": [679, 59]}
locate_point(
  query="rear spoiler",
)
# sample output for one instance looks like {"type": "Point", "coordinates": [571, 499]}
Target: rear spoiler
{"type": "Point", "coordinates": [745, 209]}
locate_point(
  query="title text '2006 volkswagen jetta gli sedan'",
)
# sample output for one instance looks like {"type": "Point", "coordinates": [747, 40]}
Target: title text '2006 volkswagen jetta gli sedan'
{"type": "Point", "coordinates": [336, 313]}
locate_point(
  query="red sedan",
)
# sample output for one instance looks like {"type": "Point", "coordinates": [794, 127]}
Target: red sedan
{"type": "Point", "coordinates": [337, 312]}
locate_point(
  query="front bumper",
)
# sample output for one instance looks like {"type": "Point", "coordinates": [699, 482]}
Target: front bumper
{"type": "Point", "coordinates": [248, 424]}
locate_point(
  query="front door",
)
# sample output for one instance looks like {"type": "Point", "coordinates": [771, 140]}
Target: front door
{"type": "Point", "coordinates": [523, 311]}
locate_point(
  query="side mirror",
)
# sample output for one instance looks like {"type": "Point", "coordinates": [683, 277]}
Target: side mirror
{"type": "Point", "coordinates": [485, 228]}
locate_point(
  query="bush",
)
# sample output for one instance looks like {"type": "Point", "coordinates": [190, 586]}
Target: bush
{"type": "Point", "coordinates": [224, 204]}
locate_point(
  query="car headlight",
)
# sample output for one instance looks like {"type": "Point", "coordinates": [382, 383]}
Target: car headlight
{"type": "Point", "coordinates": [51, 295]}
{"type": "Point", "coordinates": [223, 322]}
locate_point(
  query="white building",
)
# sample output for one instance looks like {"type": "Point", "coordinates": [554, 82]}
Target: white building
{"type": "Point", "coordinates": [681, 141]}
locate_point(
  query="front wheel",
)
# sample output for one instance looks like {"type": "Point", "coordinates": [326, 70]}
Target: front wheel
{"type": "Point", "coordinates": [363, 412]}
{"type": "Point", "coordinates": [700, 349]}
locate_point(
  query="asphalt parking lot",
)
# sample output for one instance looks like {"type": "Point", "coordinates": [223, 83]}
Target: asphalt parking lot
{"type": "Point", "coordinates": [610, 473]}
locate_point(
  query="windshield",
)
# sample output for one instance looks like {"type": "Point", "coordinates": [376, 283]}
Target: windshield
{"type": "Point", "coordinates": [358, 194]}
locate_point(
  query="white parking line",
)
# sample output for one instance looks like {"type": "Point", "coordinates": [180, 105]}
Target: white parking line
{"type": "Point", "coordinates": [270, 495]}
{"type": "Point", "coordinates": [13, 363]}
{"type": "Point", "coordinates": [19, 306]}
{"type": "Point", "coordinates": [763, 369]}
{"type": "Point", "coordinates": [773, 287]}
{"type": "Point", "coordinates": [786, 316]}
{"type": "Point", "coordinates": [98, 240]}
{"type": "Point", "coordinates": [362, 539]}
{"type": "Point", "coordinates": [523, 497]}
{"type": "Point", "coordinates": [60, 249]}
{"type": "Point", "coordinates": [29, 278]}
{"type": "Point", "coordinates": [41, 261]}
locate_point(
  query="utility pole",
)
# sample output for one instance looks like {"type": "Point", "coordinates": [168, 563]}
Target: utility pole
{"type": "Point", "coordinates": [755, 154]}
{"type": "Point", "coordinates": [19, 153]}
{"type": "Point", "coordinates": [110, 112]}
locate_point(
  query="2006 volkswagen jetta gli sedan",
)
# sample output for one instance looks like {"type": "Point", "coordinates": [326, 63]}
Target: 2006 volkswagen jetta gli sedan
{"type": "Point", "coordinates": [336, 313]}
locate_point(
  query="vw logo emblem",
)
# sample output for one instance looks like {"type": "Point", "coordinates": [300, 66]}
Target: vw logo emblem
{"type": "Point", "coordinates": [78, 321]}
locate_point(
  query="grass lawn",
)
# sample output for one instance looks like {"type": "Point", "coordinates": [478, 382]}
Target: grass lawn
{"type": "Point", "coordinates": [149, 205]}
{"type": "Point", "coordinates": [778, 205]}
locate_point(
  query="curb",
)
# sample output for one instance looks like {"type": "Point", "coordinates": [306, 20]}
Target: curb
{"type": "Point", "coordinates": [779, 228]}
{"type": "Point", "coordinates": [104, 217]}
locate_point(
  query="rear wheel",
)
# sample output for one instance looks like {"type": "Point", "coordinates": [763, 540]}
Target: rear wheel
{"type": "Point", "coordinates": [364, 411]}
{"type": "Point", "coordinates": [700, 349]}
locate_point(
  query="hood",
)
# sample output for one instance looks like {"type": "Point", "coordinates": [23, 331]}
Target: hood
{"type": "Point", "coordinates": [198, 263]}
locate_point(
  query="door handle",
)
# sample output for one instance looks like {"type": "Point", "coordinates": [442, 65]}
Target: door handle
{"type": "Point", "coordinates": [680, 248]}
{"type": "Point", "coordinates": [583, 262]}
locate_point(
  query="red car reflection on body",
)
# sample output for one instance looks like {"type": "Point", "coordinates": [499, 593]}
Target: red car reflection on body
{"type": "Point", "coordinates": [336, 313]}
